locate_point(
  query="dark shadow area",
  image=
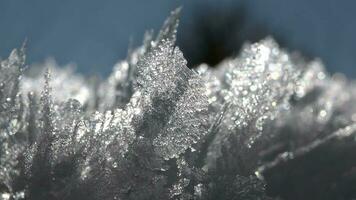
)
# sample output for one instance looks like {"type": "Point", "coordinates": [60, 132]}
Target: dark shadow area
{"type": "Point", "coordinates": [326, 173]}
{"type": "Point", "coordinates": [215, 33]}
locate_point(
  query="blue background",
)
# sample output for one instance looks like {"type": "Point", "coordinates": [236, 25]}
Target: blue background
{"type": "Point", "coordinates": [95, 34]}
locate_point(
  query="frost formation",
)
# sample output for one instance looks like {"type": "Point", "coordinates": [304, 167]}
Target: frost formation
{"type": "Point", "coordinates": [156, 129]}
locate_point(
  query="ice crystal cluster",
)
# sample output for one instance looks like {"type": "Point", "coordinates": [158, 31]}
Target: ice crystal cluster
{"type": "Point", "coordinates": [156, 129]}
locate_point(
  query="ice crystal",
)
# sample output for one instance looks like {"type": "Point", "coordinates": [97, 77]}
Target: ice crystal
{"type": "Point", "coordinates": [71, 85]}
{"type": "Point", "coordinates": [156, 129]}
{"type": "Point", "coordinates": [164, 78]}
{"type": "Point", "coordinates": [256, 85]}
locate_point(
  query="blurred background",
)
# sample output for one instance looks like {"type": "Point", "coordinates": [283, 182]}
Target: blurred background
{"type": "Point", "coordinates": [96, 34]}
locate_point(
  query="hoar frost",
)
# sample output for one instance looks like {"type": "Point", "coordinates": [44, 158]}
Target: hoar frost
{"type": "Point", "coordinates": [156, 129]}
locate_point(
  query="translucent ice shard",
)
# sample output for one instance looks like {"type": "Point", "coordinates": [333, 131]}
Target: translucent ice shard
{"type": "Point", "coordinates": [117, 90]}
{"type": "Point", "coordinates": [38, 159]}
{"type": "Point", "coordinates": [257, 85]}
{"type": "Point", "coordinates": [121, 83]}
{"type": "Point", "coordinates": [108, 135]}
{"type": "Point", "coordinates": [70, 145]}
{"type": "Point", "coordinates": [168, 31]}
{"type": "Point", "coordinates": [178, 104]}
{"type": "Point", "coordinates": [188, 124]}
{"type": "Point", "coordinates": [11, 119]}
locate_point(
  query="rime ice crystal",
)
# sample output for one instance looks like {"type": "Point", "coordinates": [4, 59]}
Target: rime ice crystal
{"type": "Point", "coordinates": [158, 130]}
{"type": "Point", "coordinates": [177, 96]}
